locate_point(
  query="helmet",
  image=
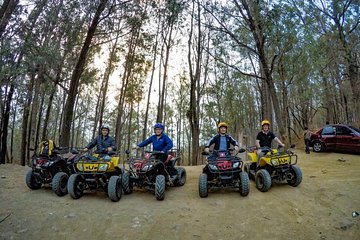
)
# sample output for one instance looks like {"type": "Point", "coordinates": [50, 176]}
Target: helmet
{"type": "Point", "coordinates": [222, 124]}
{"type": "Point", "coordinates": [265, 122]}
{"type": "Point", "coordinates": [159, 125]}
{"type": "Point", "coordinates": [105, 127]}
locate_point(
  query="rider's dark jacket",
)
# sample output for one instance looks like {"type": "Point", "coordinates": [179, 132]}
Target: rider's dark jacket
{"type": "Point", "coordinates": [102, 143]}
{"type": "Point", "coordinates": [216, 140]}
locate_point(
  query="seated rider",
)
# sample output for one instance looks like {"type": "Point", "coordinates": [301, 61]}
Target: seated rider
{"type": "Point", "coordinates": [264, 139]}
{"type": "Point", "coordinates": [160, 142]}
{"type": "Point", "coordinates": [221, 141]}
{"type": "Point", "coordinates": [104, 143]}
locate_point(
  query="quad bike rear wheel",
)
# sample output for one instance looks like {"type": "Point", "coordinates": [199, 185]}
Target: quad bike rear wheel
{"type": "Point", "coordinates": [318, 146]}
{"type": "Point", "coordinates": [31, 181]}
{"type": "Point", "coordinates": [203, 189]}
{"type": "Point", "coordinates": [247, 169]}
{"type": "Point", "coordinates": [160, 187]}
{"type": "Point", "coordinates": [263, 180]}
{"type": "Point", "coordinates": [114, 188]}
{"type": "Point", "coordinates": [296, 176]}
{"type": "Point", "coordinates": [127, 185]}
{"type": "Point", "coordinates": [244, 185]}
{"type": "Point", "coordinates": [75, 186]}
{"type": "Point", "coordinates": [59, 184]}
{"type": "Point", "coordinates": [180, 181]}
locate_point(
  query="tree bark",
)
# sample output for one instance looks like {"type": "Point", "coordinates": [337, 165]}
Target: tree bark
{"type": "Point", "coordinates": [6, 10]}
{"type": "Point", "coordinates": [75, 78]}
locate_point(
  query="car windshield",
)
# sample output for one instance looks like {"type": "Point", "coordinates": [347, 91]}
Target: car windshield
{"type": "Point", "coordinates": [355, 129]}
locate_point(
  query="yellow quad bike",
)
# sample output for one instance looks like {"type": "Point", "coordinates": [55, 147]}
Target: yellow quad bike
{"type": "Point", "coordinates": [274, 165]}
{"type": "Point", "coordinates": [95, 172]}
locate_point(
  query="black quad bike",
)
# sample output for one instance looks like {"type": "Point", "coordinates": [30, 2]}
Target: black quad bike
{"type": "Point", "coordinates": [275, 165]}
{"type": "Point", "coordinates": [96, 171]}
{"type": "Point", "coordinates": [223, 171]}
{"type": "Point", "coordinates": [148, 172]}
{"type": "Point", "coordinates": [51, 170]}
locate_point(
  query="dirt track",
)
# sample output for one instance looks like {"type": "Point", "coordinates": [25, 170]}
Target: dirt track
{"type": "Point", "coordinates": [320, 208]}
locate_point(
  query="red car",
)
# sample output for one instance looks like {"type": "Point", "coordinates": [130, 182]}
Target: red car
{"type": "Point", "coordinates": [338, 137]}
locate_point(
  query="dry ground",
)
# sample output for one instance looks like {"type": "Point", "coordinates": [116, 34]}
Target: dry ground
{"type": "Point", "coordinates": [320, 208]}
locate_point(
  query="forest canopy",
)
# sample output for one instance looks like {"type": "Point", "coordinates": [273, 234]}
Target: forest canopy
{"type": "Point", "coordinates": [69, 66]}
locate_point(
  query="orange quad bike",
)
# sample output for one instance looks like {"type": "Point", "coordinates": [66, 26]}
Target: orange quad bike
{"type": "Point", "coordinates": [275, 165]}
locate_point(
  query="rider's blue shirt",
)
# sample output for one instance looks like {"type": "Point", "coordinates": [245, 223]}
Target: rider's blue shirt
{"type": "Point", "coordinates": [223, 144]}
{"type": "Point", "coordinates": [163, 143]}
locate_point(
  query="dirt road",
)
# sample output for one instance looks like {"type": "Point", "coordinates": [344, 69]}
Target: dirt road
{"type": "Point", "coordinates": [320, 208]}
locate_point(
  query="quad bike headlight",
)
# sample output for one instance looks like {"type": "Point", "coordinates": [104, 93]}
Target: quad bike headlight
{"type": "Point", "coordinates": [80, 167]}
{"type": "Point", "coordinates": [236, 164]}
{"type": "Point", "coordinates": [147, 167]}
{"type": "Point", "coordinates": [213, 167]}
{"type": "Point", "coordinates": [103, 167]}
{"type": "Point", "coordinates": [274, 163]}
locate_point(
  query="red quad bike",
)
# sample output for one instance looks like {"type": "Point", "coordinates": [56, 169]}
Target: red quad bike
{"type": "Point", "coordinates": [152, 174]}
{"type": "Point", "coordinates": [51, 170]}
{"type": "Point", "coordinates": [223, 171]}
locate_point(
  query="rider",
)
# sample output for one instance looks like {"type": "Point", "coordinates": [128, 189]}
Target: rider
{"type": "Point", "coordinates": [160, 141]}
{"type": "Point", "coordinates": [104, 143]}
{"type": "Point", "coordinates": [222, 141]}
{"type": "Point", "coordinates": [264, 139]}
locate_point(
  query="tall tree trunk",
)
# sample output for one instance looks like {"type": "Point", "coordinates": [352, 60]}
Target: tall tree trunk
{"type": "Point", "coordinates": [194, 87]}
{"type": "Point", "coordinates": [144, 133]}
{"type": "Point", "coordinates": [6, 10]}
{"type": "Point", "coordinates": [5, 124]}
{"type": "Point", "coordinates": [75, 78]}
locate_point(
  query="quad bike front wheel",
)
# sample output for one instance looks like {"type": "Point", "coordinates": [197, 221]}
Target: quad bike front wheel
{"type": "Point", "coordinates": [31, 181]}
{"type": "Point", "coordinates": [114, 188]}
{"type": "Point", "coordinates": [263, 180]}
{"type": "Point", "coordinates": [160, 187]}
{"type": "Point", "coordinates": [59, 184]}
{"type": "Point", "coordinates": [180, 181]}
{"type": "Point", "coordinates": [244, 185]}
{"type": "Point", "coordinates": [203, 189]}
{"type": "Point", "coordinates": [296, 176]}
{"type": "Point", "coordinates": [76, 186]}
{"type": "Point", "coordinates": [127, 185]}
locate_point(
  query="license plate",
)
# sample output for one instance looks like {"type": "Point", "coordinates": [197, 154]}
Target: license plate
{"type": "Point", "coordinates": [283, 160]}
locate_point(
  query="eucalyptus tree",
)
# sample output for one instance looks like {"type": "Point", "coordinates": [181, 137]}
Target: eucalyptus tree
{"type": "Point", "coordinates": [339, 21]}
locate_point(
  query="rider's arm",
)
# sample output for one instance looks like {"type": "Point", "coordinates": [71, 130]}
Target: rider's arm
{"type": "Point", "coordinates": [169, 144]}
{"type": "Point", "coordinates": [279, 142]}
{"type": "Point", "coordinates": [91, 144]}
{"type": "Point", "coordinates": [145, 142]}
{"type": "Point", "coordinates": [257, 143]}
{"type": "Point", "coordinates": [112, 144]}
{"type": "Point", "coordinates": [234, 143]}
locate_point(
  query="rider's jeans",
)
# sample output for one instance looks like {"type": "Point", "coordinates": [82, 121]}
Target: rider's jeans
{"type": "Point", "coordinates": [260, 154]}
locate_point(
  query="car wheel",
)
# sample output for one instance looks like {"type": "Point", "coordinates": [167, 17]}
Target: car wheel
{"type": "Point", "coordinates": [318, 146]}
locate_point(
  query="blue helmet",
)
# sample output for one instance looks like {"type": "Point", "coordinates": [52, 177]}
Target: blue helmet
{"type": "Point", "coordinates": [159, 125]}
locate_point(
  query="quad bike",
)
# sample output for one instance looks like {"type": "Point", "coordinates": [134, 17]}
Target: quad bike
{"type": "Point", "coordinates": [275, 165]}
{"type": "Point", "coordinates": [223, 171]}
{"type": "Point", "coordinates": [95, 172]}
{"type": "Point", "coordinates": [53, 170]}
{"type": "Point", "coordinates": [150, 173]}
